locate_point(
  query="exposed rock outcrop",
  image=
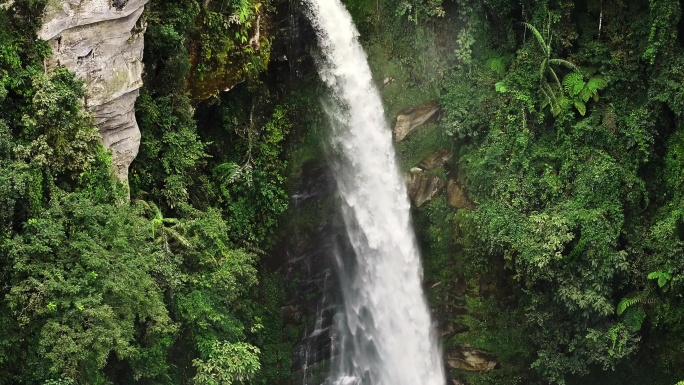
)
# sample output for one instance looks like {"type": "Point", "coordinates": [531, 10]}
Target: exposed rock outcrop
{"type": "Point", "coordinates": [453, 328]}
{"type": "Point", "coordinates": [436, 159]}
{"type": "Point", "coordinates": [423, 186]}
{"type": "Point", "coordinates": [466, 357]}
{"type": "Point", "coordinates": [457, 197]}
{"type": "Point", "coordinates": [101, 41]}
{"type": "Point", "coordinates": [408, 121]}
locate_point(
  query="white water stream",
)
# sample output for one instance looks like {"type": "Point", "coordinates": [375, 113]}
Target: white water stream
{"type": "Point", "coordinates": [386, 336]}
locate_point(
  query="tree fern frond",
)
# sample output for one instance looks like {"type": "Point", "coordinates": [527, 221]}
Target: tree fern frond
{"type": "Point", "coordinates": [145, 205]}
{"type": "Point", "coordinates": [634, 318]}
{"type": "Point", "coordinates": [538, 36]}
{"type": "Point", "coordinates": [497, 65]}
{"type": "Point", "coordinates": [555, 78]}
{"type": "Point", "coordinates": [542, 69]}
{"type": "Point", "coordinates": [625, 303]}
{"type": "Point", "coordinates": [549, 94]}
{"type": "Point", "coordinates": [662, 277]}
{"type": "Point", "coordinates": [177, 236]}
{"type": "Point", "coordinates": [564, 63]}
{"type": "Point", "coordinates": [547, 101]}
{"type": "Point", "coordinates": [571, 79]}
{"type": "Point", "coordinates": [585, 94]}
{"type": "Point", "coordinates": [228, 172]}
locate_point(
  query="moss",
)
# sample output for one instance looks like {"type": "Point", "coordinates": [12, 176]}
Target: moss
{"type": "Point", "coordinates": [421, 143]}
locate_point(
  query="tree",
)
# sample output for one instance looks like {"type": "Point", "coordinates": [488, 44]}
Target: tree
{"type": "Point", "coordinates": [82, 288]}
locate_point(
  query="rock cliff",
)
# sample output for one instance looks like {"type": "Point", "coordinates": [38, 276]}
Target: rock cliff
{"type": "Point", "coordinates": [102, 42]}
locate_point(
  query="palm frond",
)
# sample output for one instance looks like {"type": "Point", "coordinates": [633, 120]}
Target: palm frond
{"type": "Point", "coordinates": [177, 237]}
{"type": "Point", "coordinates": [564, 63]}
{"type": "Point", "coordinates": [538, 36]}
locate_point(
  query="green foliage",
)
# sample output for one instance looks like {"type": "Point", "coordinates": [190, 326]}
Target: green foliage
{"type": "Point", "coordinates": [575, 212]}
{"type": "Point", "coordinates": [81, 279]}
{"type": "Point", "coordinates": [171, 151]}
{"type": "Point", "coordinates": [662, 277]}
{"type": "Point", "coordinates": [580, 91]}
{"type": "Point", "coordinates": [574, 91]}
{"type": "Point", "coordinates": [60, 135]}
{"type": "Point", "coordinates": [664, 16]}
{"type": "Point", "coordinates": [418, 11]}
{"type": "Point", "coordinates": [97, 291]}
{"type": "Point", "coordinates": [227, 364]}
{"type": "Point", "coordinates": [214, 45]}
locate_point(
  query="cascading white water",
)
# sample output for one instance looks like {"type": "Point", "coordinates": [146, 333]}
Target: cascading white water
{"type": "Point", "coordinates": [386, 338]}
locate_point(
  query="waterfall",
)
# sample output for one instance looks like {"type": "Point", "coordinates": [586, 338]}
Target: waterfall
{"type": "Point", "coordinates": [385, 335]}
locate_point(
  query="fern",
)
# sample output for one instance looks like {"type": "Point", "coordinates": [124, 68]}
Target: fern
{"type": "Point", "coordinates": [581, 107]}
{"type": "Point", "coordinates": [542, 43]}
{"type": "Point", "coordinates": [564, 63]}
{"type": "Point", "coordinates": [585, 94]}
{"type": "Point", "coordinates": [229, 172]}
{"type": "Point", "coordinates": [500, 87]}
{"type": "Point", "coordinates": [634, 317]}
{"type": "Point", "coordinates": [497, 65]}
{"type": "Point", "coordinates": [662, 277]}
{"type": "Point", "coordinates": [596, 83]}
{"type": "Point", "coordinates": [573, 83]}
{"type": "Point", "coordinates": [626, 303]}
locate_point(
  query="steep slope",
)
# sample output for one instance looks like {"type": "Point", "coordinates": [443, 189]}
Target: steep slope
{"type": "Point", "coordinates": [102, 42]}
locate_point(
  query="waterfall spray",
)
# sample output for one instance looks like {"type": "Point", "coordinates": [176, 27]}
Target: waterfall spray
{"type": "Point", "coordinates": [386, 335]}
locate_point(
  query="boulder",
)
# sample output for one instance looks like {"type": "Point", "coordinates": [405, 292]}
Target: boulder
{"type": "Point", "coordinates": [423, 186]}
{"type": "Point", "coordinates": [460, 287]}
{"type": "Point", "coordinates": [457, 197]}
{"type": "Point", "coordinates": [292, 315]}
{"type": "Point", "coordinates": [436, 159]}
{"type": "Point", "coordinates": [467, 357]}
{"type": "Point", "coordinates": [409, 120]}
{"type": "Point", "coordinates": [453, 328]}
{"type": "Point", "coordinates": [101, 41]}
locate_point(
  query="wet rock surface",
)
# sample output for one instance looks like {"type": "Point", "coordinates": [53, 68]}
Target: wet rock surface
{"type": "Point", "coordinates": [423, 186]}
{"type": "Point", "coordinates": [409, 120]}
{"type": "Point", "coordinates": [457, 196]}
{"type": "Point", "coordinates": [467, 357]}
{"type": "Point", "coordinates": [436, 159]}
{"type": "Point", "coordinates": [310, 270]}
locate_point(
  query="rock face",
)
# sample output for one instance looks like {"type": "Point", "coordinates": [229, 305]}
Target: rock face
{"type": "Point", "coordinates": [101, 41]}
{"type": "Point", "coordinates": [466, 357]}
{"type": "Point", "coordinates": [423, 186]}
{"type": "Point", "coordinates": [309, 261]}
{"type": "Point", "coordinates": [457, 197]}
{"type": "Point", "coordinates": [436, 159]}
{"type": "Point", "coordinates": [409, 120]}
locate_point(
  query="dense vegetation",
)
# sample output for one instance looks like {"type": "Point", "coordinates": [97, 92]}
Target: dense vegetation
{"type": "Point", "coordinates": [565, 120]}
{"type": "Point", "coordinates": [166, 289]}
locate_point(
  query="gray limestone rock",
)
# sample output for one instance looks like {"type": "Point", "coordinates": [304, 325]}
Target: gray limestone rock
{"type": "Point", "coordinates": [423, 186]}
{"type": "Point", "coordinates": [457, 196]}
{"type": "Point", "coordinates": [101, 41]}
{"type": "Point", "coordinates": [467, 357]}
{"type": "Point", "coordinates": [408, 121]}
{"type": "Point", "coordinates": [436, 159]}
